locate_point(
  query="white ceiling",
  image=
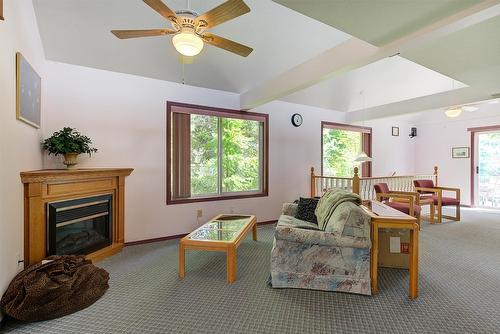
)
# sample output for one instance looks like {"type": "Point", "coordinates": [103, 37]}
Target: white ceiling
{"type": "Point", "coordinates": [78, 32]}
{"type": "Point", "coordinates": [455, 64]}
{"type": "Point", "coordinates": [385, 81]}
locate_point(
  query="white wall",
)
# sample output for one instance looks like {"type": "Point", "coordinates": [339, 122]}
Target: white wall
{"type": "Point", "coordinates": [125, 117]}
{"type": "Point", "coordinates": [392, 154]}
{"type": "Point", "coordinates": [437, 134]}
{"type": "Point", "coordinates": [19, 142]}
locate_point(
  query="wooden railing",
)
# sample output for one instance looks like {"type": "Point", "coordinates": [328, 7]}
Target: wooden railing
{"type": "Point", "coordinates": [363, 186]}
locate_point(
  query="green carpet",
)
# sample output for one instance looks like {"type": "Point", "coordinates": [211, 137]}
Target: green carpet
{"type": "Point", "coordinates": [459, 292]}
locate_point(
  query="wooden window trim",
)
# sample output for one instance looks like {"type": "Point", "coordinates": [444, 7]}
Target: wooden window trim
{"type": "Point", "coordinates": [214, 111]}
{"type": "Point", "coordinates": [366, 142]}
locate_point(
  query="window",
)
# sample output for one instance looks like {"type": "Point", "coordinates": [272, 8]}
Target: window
{"type": "Point", "coordinates": [215, 154]}
{"type": "Point", "coordinates": [340, 144]}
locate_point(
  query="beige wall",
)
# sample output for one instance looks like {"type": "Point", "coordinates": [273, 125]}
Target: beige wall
{"type": "Point", "coordinates": [19, 142]}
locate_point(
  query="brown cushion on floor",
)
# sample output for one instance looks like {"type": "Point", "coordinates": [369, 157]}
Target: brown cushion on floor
{"type": "Point", "coordinates": [46, 291]}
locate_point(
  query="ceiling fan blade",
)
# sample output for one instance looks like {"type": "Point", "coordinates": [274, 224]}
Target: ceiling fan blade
{"type": "Point", "coordinates": [162, 9]}
{"type": "Point", "coordinates": [224, 12]}
{"type": "Point", "coordinates": [123, 34]}
{"type": "Point", "coordinates": [227, 44]}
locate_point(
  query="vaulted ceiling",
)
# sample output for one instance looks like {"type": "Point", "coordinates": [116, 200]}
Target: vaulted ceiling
{"type": "Point", "coordinates": [382, 56]}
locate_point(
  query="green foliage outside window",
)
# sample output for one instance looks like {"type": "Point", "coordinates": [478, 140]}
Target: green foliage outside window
{"type": "Point", "coordinates": [340, 148]}
{"type": "Point", "coordinates": [240, 141]}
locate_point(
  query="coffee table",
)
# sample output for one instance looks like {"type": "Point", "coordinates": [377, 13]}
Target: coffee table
{"type": "Point", "coordinates": [224, 233]}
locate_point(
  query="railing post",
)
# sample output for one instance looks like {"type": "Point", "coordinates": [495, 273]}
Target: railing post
{"type": "Point", "coordinates": [355, 181]}
{"type": "Point", "coordinates": [313, 183]}
{"type": "Point", "coordinates": [436, 174]}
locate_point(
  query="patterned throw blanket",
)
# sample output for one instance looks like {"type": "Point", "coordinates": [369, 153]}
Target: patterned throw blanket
{"type": "Point", "coordinates": [330, 201]}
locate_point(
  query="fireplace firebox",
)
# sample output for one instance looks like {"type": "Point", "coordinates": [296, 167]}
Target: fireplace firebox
{"type": "Point", "coordinates": [79, 226]}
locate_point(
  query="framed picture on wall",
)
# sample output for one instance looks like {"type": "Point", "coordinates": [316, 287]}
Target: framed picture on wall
{"type": "Point", "coordinates": [28, 92]}
{"type": "Point", "coordinates": [395, 131]}
{"type": "Point", "coordinates": [460, 152]}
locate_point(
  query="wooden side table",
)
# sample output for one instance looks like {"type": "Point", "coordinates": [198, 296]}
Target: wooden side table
{"type": "Point", "coordinates": [383, 216]}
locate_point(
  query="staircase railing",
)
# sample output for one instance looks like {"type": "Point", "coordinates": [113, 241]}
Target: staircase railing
{"type": "Point", "coordinates": [363, 186]}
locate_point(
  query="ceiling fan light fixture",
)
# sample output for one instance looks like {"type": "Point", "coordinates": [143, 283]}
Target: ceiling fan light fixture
{"type": "Point", "coordinates": [453, 112]}
{"type": "Point", "coordinates": [187, 44]}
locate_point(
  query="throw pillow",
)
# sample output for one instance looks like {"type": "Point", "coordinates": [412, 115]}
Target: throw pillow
{"type": "Point", "coordinates": [305, 209]}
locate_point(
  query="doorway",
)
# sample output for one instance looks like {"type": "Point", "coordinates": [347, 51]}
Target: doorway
{"type": "Point", "coordinates": [486, 167]}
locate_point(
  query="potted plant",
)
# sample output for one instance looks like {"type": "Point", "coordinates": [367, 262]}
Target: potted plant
{"type": "Point", "coordinates": [70, 143]}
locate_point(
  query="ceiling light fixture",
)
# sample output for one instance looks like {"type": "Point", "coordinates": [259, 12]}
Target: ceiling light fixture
{"type": "Point", "coordinates": [363, 157]}
{"type": "Point", "coordinates": [187, 43]}
{"type": "Point", "coordinates": [453, 112]}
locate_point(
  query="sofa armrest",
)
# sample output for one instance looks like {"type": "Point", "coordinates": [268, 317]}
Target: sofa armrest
{"type": "Point", "coordinates": [289, 209]}
{"type": "Point", "coordinates": [313, 237]}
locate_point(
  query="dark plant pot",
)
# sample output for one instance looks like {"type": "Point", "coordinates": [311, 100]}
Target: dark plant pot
{"type": "Point", "coordinates": [70, 160]}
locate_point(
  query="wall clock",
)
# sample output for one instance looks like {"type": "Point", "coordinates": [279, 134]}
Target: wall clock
{"type": "Point", "coordinates": [297, 120]}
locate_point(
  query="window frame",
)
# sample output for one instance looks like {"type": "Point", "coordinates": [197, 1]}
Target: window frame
{"type": "Point", "coordinates": [366, 142]}
{"type": "Point", "coordinates": [177, 107]}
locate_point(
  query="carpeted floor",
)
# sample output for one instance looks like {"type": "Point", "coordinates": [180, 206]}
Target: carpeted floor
{"type": "Point", "coordinates": [459, 292]}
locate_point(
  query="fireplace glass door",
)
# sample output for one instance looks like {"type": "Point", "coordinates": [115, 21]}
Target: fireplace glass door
{"type": "Point", "coordinates": [79, 226]}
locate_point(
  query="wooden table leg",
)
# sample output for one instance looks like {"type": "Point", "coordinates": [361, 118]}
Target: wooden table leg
{"type": "Point", "coordinates": [413, 265]}
{"type": "Point", "coordinates": [374, 259]}
{"type": "Point", "coordinates": [182, 261]}
{"type": "Point", "coordinates": [254, 232]}
{"type": "Point", "coordinates": [231, 264]}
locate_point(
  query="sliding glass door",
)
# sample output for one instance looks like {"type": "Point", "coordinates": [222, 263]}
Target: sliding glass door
{"type": "Point", "coordinates": [487, 169]}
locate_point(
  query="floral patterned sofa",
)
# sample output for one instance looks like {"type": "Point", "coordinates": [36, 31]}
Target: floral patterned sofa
{"type": "Point", "coordinates": [334, 256]}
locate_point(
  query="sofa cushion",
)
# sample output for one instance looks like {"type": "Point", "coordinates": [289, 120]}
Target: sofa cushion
{"type": "Point", "coordinates": [329, 203]}
{"type": "Point", "coordinates": [349, 220]}
{"type": "Point", "coordinates": [382, 188]}
{"type": "Point", "coordinates": [305, 209]}
{"type": "Point", "coordinates": [285, 220]}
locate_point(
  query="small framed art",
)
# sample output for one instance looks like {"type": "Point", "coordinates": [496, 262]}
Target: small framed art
{"type": "Point", "coordinates": [395, 131]}
{"type": "Point", "coordinates": [28, 92]}
{"type": "Point", "coordinates": [460, 152]}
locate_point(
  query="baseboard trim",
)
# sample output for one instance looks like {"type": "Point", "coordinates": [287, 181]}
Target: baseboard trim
{"type": "Point", "coordinates": [147, 241]}
{"type": "Point", "coordinates": [178, 236]}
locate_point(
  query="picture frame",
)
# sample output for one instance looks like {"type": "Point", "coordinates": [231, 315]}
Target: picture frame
{"type": "Point", "coordinates": [28, 92]}
{"type": "Point", "coordinates": [1, 10]}
{"type": "Point", "coordinates": [395, 131]}
{"type": "Point", "coordinates": [462, 152]}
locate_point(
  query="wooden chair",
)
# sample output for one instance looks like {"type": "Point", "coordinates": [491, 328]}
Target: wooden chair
{"type": "Point", "coordinates": [427, 190]}
{"type": "Point", "coordinates": [404, 201]}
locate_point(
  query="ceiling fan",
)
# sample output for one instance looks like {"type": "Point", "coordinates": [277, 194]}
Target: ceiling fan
{"type": "Point", "coordinates": [190, 29]}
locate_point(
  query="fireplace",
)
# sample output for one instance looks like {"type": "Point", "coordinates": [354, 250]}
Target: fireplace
{"type": "Point", "coordinates": [79, 226]}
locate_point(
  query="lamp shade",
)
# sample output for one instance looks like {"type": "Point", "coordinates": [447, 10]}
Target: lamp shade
{"type": "Point", "coordinates": [187, 44]}
{"type": "Point", "coordinates": [363, 157]}
{"type": "Point", "coordinates": [453, 112]}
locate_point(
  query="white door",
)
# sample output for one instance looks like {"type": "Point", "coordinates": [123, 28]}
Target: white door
{"type": "Point", "coordinates": [487, 169]}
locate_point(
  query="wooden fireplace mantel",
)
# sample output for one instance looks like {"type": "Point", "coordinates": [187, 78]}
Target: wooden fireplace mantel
{"type": "Point", "coordinates": [52, 185]}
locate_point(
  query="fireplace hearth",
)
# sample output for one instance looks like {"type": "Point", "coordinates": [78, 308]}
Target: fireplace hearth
{"type": "Point", "coordinates": [80, 226]}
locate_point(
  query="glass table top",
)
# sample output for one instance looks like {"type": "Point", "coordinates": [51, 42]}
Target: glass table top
{"type": "Point", "coordinates": [224, 228]}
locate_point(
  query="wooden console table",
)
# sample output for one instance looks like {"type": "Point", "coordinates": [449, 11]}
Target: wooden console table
{"type": "Point", "coordinates": [383, 216]}
{"type": "Point", "coordinates": [51, 185]}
